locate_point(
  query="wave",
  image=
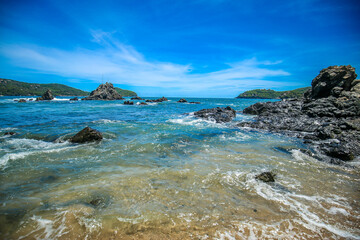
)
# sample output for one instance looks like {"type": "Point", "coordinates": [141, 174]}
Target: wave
{"type": "Point", "coordinates": [21, 148]}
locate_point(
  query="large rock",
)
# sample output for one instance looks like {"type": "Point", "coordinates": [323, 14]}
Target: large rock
{"type": "Point", "coordinates": [46, 96]}
{"type": "Point", "coordinates": [327, 118]}
{"type": "Point", "coordinates": [136, 98]}
{"type": "Point", "coordinates": [104, 92]}
{"type": "Point", "coordinates": [86, 135]}
{"type": "Point", "coordinates": [340, 77]}
{"type": "Point", "coordinates": [218, 114]}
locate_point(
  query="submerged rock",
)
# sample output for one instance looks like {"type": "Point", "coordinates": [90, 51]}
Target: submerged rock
{"type": "Point", "coordinates": [194, 102]}
{"type": "Point", "coordinates": [266, 177]}
{"type": "Point", "coordinates": [225, 114]}
{"type": "Point", "coordinates": [183, 100]}
{"type": "Point", "coordinates": [163, 99]}
{"type": "Point", "coordinates": [143, 103]}
{"type": "Point", "coordinates": [136, 98]}
{"type": "Point", "coordinates": [327, 117]}
{"type": "Point", "coordinates": [86, 135]}
{"type": "Point", "coordinates": [104, 92]}
{"type": "Point", "coordinates": [22, 100]}
{"type": "Point", "coordinates": [128, 103]}
{"type": "Point", "coordinates": [9, 133]}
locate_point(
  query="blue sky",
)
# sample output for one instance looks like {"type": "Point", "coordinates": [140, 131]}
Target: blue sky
{"type": "Point", "coordinates": [200, 48]}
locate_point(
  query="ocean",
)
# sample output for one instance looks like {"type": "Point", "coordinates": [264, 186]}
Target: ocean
{"type": "Point", "coordinates": [161, 173]}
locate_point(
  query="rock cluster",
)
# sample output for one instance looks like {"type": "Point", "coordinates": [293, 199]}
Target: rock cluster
{"type": "Point", "coordinates": [46, 96]}
{"type": "Point", "coordinates": [86, 135]}
{"type": "Point", "coordinates": [128, 103]}
{"type": "Point", "coordinates": [183, 100]}
{"type": "Point", "coordinates": [104, 92]}
{"type": "Point", "coordinates": [225, 114]}
{"type": "Point", "coordinates": [74, 99]}
{"type": "Point", "coordinates": [328, 117]}
{"type": "Point", "coordinates": [163, 99]}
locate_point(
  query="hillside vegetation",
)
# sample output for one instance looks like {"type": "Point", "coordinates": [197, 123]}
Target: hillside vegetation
{"type": "Point", "coordinates": [15, 88]}
{"type": "Point", "coordinates": [271, 94]}
{"type": "Point", "coordinates": [125, 93]}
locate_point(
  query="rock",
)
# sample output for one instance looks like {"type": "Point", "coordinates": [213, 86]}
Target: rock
{"type": "Point", "coordinates": [22, 100]}
{"type": "Point", "coordinates": [47, 95]}
{"type": "Point", "coordinates": [143, 103]}
{"type": "Point", "coordinates": [9, 133]}
{"type": "Point", "coordinates": [86, 135]}
{"type": "Point", "coordinates": [136, 98]}
{"type": "Point", "coordinates": [183, 100]}
{"type": "Point", "coordinates": [218, 114]}
{"type": "Point", "coordinates": [194, 102]}
{"type": "Point", "coordinates": [74, 99]}
{"type": "Point", "coordinates": [39, 99]}
{"type": "Point", "coordinates": [158, 100]}
{"type": "Point", "coordinates": [104, 92]}
{"type": "Point", "coordinates": [327, 117]}
{"type": "Point", "coordinates": [333, 76]}
{"type": "Point", "coordinates": [128, 103]}
{"type": "Point", "coordinates": [266, 177]}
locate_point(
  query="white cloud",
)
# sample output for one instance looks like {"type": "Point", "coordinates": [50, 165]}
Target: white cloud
{"type": "Point", "coordinates": [122, 64]}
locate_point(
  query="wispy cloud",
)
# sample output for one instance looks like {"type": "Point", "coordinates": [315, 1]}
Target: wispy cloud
{"type": "Point", "coordinates": [122, 64]}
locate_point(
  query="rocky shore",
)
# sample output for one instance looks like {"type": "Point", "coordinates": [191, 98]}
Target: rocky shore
{"type": "Point", "coordinates": [327, 117]}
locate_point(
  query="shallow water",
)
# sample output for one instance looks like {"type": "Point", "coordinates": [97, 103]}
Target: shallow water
{"type": "Point", "coordinates": [162, 174]}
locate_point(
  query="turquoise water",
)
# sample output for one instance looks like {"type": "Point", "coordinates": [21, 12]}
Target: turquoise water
{"type": "Point", "coordinates": [161, 173]}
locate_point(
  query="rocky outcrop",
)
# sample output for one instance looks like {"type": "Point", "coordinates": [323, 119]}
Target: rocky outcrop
{"type": "Point", "coordinates": [9, 133]}
{"type": "Point", "coordinates": [128, 103]}
{"type": "Point", "coordinates": [183, 100]}
{"type": "Point", "coordinates": [218, 114]}
{"type": "Point", "coordinates": [328, 117]}
{"type": "Point", "coordinates": [22, 100]}
{"type": "Point", "coordinates": [163, 99]}
{"type": "Point", "coordinates": [143, 103]}
{"type": "Point", "coordinates": [46, 96]}
{"type": "Point", "coordinates": [74, 99]}
{"type": "Point", "coordinates": [104, 92]}
{"type": "Point", "coordinates": [86, 135]}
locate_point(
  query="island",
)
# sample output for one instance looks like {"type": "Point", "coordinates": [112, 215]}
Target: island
{"type": "Point", "coordinates": [272, 94]}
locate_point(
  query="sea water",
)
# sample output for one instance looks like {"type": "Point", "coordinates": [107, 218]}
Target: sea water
{"type": "Point", "coordinates": [161, 173]}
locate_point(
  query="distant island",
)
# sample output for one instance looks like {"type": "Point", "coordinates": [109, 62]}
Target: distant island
{"type": "Point", "coordinates": [271, 94]}
{"type": "Point", "coordinates": [10, 87]}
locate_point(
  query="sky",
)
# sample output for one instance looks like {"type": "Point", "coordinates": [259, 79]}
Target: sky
{"type": "Point", "coordinates": [177, 48]}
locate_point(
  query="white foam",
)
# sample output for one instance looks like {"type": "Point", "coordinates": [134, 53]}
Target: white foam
{"type": "Point", "coordinates": [106, 121]}
{"type": "Point", "coordinates": [26, 147]}
{"type": "Point", "coordinates": [190, 120]}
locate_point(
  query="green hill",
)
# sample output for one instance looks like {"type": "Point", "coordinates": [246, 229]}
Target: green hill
{"type": "Point", "coordinates": [125, 93]}
{"type": "Point", "coordinates": [15, 88]}
{"type": "Point", "coordinates": [271, 94]}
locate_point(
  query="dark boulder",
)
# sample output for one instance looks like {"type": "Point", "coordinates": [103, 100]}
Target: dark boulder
{"type": "Point", "coordinates": [47, 95]}
{"type": "Point", "coordinates": [104, 92]}
{"type": "Point", "coordinates": [86, 135]}
{"type": "Point", "coordinates": [74, 99]}
{"type": "Point", "coordinates": [128, 103]}
{"type": "Point", "coordinates": [218, 114]}
{"type": "Point", "coordinates": [22, 100]}
{"type": "Point", "coordinates": [340, 77]}
{"type": "Point", "coordinates": [183, 100]}
{"type": "Point", "coordinates": [143, 103]}
{"type": "Point", "coordinates": [266, 177]}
